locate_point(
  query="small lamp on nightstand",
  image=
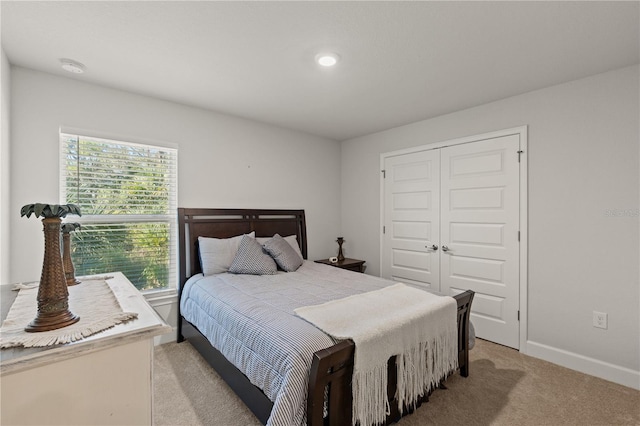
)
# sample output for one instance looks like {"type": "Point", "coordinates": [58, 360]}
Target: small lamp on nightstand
{"type": "Point", "coordinates": [340, 241]}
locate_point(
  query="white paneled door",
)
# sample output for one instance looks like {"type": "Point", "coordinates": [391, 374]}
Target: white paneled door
{"type": "Point", "coordinates": [479, 232]}
{"type": "Point", "coordinates": [412, 233]}
{"type": "Point", "coordinates": [451, 223]}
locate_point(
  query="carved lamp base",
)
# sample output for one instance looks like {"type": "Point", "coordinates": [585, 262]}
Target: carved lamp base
{"type": "Point", "coordinates": [53, 295]}
{"type": "Point", "coordinates": [51, 321]}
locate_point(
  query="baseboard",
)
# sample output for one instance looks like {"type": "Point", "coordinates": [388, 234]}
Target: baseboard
{"type": "Point", "coordinates": [604, 370]}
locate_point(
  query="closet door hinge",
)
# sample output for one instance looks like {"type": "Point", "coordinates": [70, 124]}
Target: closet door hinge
{"type": "Point", "coordinates": [384, 174]}
{"type": "Point", "coordinates": [519, 155]}
{"type": "Point", "coordinates": [518, 235]}
{"type": "Point", "coordinates": [384, 229]}
{"type": "Point", "coordinates": [518, 315]}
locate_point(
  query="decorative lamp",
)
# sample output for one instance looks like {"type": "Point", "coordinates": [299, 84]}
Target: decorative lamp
{"type": "Point", "coordinates": [53, 296]}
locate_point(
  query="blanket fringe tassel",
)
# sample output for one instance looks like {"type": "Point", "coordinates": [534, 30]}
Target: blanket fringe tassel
{"type": "Point", "coordinates": [420, 369]}
{"type": "Point", "coordinates": [370, 402]}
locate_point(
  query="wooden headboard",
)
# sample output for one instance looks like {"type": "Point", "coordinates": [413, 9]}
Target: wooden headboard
{"type": "Point", "coordinates": [226, 223]}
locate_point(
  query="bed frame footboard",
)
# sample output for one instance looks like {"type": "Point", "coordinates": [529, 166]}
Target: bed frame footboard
{"type": "Point", "coordinates": [332, 369]}
{"type": "Point", "coordinates": [331, 372]}
{"type": "Point", "coordinates": [464, 312]}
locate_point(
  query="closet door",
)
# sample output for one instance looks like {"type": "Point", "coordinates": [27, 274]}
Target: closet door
{"type": "Point", "coordinates": [479, 233]}
{"type": "Point", "coordinates": [411, 219]}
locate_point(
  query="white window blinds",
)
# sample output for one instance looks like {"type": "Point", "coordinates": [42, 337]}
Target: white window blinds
{"type": "Point", "coordinates": [127, 194]}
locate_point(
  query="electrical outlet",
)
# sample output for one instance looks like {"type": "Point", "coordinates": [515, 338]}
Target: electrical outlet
{"type": "Point", "coordinates": [600, 320]}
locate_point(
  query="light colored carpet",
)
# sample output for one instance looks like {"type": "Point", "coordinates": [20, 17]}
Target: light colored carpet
{"type": "Point", "coordinates": [504, 388]}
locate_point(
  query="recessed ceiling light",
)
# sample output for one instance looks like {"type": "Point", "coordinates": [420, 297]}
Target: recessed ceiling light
{"type": "Point", "coordinates": [72, 66]}
{"type": "Point", "coordinates": [327, 59]}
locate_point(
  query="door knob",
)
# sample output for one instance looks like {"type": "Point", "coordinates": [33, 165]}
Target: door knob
{"type": "Point", "coordinates": [433, 247]}
{"type": "Point", "coordinates": [445, 248]}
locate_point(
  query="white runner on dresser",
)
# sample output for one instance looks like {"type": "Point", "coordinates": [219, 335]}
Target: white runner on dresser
{"type": "Point", "coordinates": [92, 300]}
{"type": "Point", "coordinates": [419, 327]}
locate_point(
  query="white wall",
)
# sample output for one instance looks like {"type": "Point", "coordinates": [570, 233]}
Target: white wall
{"type": "Point", "coordinates": [583, 161]}
{"type": "Point", "coordinates": [5, 96]}
{"type": "Point", "coordinates": [224, 161]}
{"type": "Point", "coordinates": [583, 156]}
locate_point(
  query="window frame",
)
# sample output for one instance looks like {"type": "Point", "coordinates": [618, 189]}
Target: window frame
{"type": "Point", "coordinates": [170, 217]}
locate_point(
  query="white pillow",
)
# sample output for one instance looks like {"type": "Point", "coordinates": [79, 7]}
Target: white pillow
{"type": "Point", "coordinates": [291, 239]}
{"type": "Point", "coordinates": [216, 254]}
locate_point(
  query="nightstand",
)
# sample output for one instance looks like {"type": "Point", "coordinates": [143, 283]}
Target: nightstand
{"type": "Point", "coordinates": [349, 264]}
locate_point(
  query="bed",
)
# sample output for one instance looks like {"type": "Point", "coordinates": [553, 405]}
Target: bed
{"type": "Point", "coordinates": [320, 376]}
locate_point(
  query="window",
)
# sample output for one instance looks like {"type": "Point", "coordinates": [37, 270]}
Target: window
{"type": "Point", "coordinates": [127, 193]}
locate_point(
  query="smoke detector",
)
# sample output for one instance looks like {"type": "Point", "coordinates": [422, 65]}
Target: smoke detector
{"type": "Point", "coordinates": [72, 66]}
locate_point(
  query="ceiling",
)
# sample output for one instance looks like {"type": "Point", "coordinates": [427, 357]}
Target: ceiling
{"type": "Point", "coordinates": [401, 62]}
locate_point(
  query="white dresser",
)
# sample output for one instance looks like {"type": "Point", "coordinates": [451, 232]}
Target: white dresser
{"type": "Point", "coordinates": [104, 379]}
